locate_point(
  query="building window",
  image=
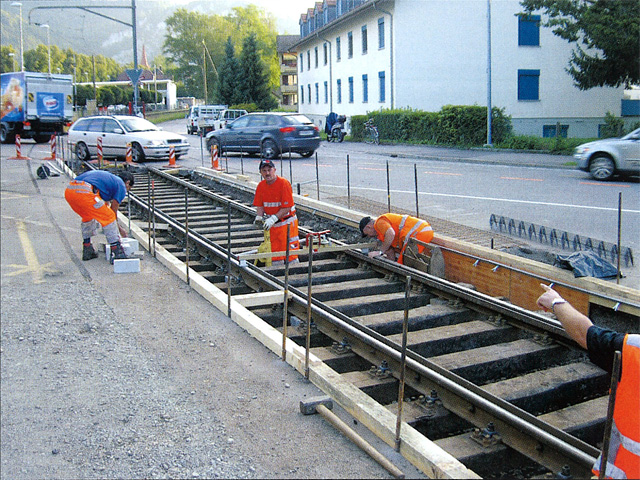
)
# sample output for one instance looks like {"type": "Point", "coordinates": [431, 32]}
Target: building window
{"type": "Point", "coordinates": [339, 91]}
{"type": "Point", "coordinates": [365, 88]}
{"type": "Point", "coordinates": [317, 93]}
{"type": "Point", "coordinates": [308, 59]}
{"type": "Point", "coordinates": [381, 89]}
{"type": "Point", "coordinates": [550, 131]}
{"type": "Point", "coordinates": [529, 30]}
{"type": "Point", "coordinates": [326, 56]}
{"type": "Point", "coordinates": [301, 95]}
{"type": "Point", "coordinates": [365, 43]}
{"type": "Point", "coordinates": [350, 89]}
{"type": "Point", "coordinates": [381, 33]}
{"type": "Point", "coordinates": [326, 92]}
{"type": "Point", "coordinates": [309, 92]}
{"type": "Point", "coordinates": [350, 45]}
{"type": "Point", "coordinates": [315, 50]}
{"type": "Point", "coordinates": [338, 50]}
{"type": "Point", "coordinates": [301, 63]}
{"type": "Point", "coordinates": [528, 84]}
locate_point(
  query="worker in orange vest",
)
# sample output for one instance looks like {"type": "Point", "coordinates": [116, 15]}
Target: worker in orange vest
{"type": "Point", "coordinates": [275, 210]}
{"type": "Point", "coordinates": [623, 458]}
{"type": "Point", "coordinates": [394, 231]}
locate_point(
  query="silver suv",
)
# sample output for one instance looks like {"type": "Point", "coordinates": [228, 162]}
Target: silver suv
{"type": "Point", "coordinates": [605, 158]}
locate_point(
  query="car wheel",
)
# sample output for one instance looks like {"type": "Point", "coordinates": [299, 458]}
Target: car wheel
{"type": "Point", "coordinates": [137, 154]}
{"type": "Point", "coordinates": [269, 149]}
{"type": "Point", "coordinates": [82, 152]}
{"type": "Point", "coordinates": [5, 136]}
{"type": "Point", "coordinates": [307, 154]}
{"type": "Point", "coordinates": [210, 144]}
{"type": "Point", "coordinates": [42, 138]}
{"type": "Point", "coordinates": [602, 167]}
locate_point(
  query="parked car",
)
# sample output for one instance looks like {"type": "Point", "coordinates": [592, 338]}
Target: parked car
{"type": "Point", "coordinates": [116, 131]}
{"type": "Point", "coordinates": [611, 156]}
{"type": "Point", "coordinates": [227, 116]}
{"type": "Point", "coordinates": [201, 118]}
{"type": "Point", "coordinates": [269, 133]}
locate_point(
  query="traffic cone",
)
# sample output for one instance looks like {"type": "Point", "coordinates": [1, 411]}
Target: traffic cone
{"type": "Point", "coordinates": [52, 143]}
{"type": "Point", "coordinates": [18, 150]}
{"type": "Point", "coordinates": [129, 155]}
{"type": "Point", "coordinates": [172, 157]}
{"type": "Point", "coordinates": [215, 164]}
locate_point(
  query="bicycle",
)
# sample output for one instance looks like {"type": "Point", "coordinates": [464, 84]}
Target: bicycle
{"type": "Point", "coordinates": [371, 134]}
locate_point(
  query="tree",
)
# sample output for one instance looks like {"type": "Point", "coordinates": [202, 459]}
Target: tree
{"type": "Point", "coordinates": [8, 63]}
{"type": "Point", "coordinates": [254, 81]}
{"type": "Point", "coordinates": [229, 77]}
{"type": "Point", "coordinates": [606, 33]}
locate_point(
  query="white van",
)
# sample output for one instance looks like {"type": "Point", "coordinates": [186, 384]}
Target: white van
{"type": "Point", "coordinates": [227, 116]}
{"type": "Point", "coordinates": [201, 117]}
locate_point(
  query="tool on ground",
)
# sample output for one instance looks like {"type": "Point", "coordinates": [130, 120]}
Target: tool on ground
{"type": "Point", "coordinates": [323, 405]}
{"type": "Point", "coordinates": [265, 247]}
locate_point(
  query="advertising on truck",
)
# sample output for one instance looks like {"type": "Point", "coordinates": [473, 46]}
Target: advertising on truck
{"type": "Point", "coordinates": [50, 104]}
{"type": "Point", "coordinates": [13, 97]}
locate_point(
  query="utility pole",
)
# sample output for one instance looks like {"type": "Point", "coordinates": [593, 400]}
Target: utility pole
{"type": "Point", "coordinates": [204, 69]}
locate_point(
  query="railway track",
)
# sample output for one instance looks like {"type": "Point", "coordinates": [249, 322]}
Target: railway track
{"type": "Point", "coordinates": [496, 386]}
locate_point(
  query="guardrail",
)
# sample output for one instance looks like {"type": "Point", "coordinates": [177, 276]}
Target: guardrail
{"type": "Point", "coordinates": [559, 238]}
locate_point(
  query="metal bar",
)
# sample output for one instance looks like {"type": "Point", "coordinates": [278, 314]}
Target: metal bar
{"type": "Point", "coordinates": [149, 209]}
{"type": "Point", "coordinates": [333, 248]}
{"type": "Point", "coordinates": [618, 274]}
{"type": "Point", "coordinates": [615, 376]}
{"type": "Point", "coordinates": [403, 361]}
{"type": "Point", "coordinates": [229, 259]}
{"type": "Point", "coordinates": [186, 231]}
{"type": "Point", "coordinates": [317, 177]}
{"type": "Point", "coordinates": [348, 185]}
{"type": "Point", "coordinates": [415, 175]}
{"type": "Point", "coordinates": [308, 337]}
{"type": "Point", "coordinates": [388, 190]}
{"type": "Point", "coordinates": [285, 300]}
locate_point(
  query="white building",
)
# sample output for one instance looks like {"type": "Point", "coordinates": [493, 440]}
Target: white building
{"type": "Point", "coordinates": [357, 56]}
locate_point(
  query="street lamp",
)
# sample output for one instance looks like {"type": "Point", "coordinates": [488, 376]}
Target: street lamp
{"type": "Point", "coordinates": [18, 4]}
{"type": "Point", "coordinates": [44, 25]}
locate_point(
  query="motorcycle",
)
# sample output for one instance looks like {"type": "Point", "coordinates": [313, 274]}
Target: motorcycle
{"type": "Point", "coordinates": [338, 131]}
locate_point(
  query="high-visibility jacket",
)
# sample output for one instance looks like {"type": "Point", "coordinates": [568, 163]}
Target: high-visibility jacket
{"type": "Point", "coordinates": [273, 198]}
{"type": "Point", "coordinates": [623, 460]}
{"type": "Point", "coordinates": [404, 227]}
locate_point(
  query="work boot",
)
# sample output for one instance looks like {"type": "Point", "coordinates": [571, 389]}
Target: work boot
{"type": "Point", "coordinates": [88, 252]}
{"type": "Point", "coordinates": [118, 253]}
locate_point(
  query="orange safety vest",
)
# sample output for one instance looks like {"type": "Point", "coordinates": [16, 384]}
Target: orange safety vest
{"type": "Point", "coordinates": [405, 227]}
{"type": "Point", "coordinates": [623, 460]}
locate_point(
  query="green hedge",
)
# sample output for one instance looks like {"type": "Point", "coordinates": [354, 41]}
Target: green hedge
{"type": "Point", "coordinates": [452, 125]}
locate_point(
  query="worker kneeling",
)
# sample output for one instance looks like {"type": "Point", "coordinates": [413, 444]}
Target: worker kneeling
{"type": "Point", "coordinates": [275, 211]}
{"type": "Point", "coordinates": [394, 231]}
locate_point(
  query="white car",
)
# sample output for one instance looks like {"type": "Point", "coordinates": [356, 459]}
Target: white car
{"type": "Point", "coordinates": [605, 158]}
{"type": "Point", "coordinates": [116, 131]}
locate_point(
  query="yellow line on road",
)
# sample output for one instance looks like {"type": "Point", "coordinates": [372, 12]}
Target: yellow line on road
{"type": "Point", "coordinates": [33, 265]}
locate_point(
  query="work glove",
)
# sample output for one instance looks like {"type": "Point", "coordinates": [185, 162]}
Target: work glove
{"type": "Point", "coordinates": [258, 221]}
{"type": "Point", "coordinates": [270, 222]}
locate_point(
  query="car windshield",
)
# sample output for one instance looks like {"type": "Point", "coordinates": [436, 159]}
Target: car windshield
{"type": "Point", "coordinates": [632, 135]}
{"type": "Point", "coordinates": [135, 124]}
{"type": "Point", "coordinates": [296, 120]}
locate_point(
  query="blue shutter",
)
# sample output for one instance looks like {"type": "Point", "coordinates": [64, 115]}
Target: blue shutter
{"type": "Point", "coordinates": [529, 30]}
{"type": "Point", "coordinates": [350, 89]}
{"type": "Point", "coordinates": [339, 89]}
{"type": "Point", "coordinates": [381, 32]}
{"type": "Point", "coordinates": [528, 84]}
{"type": "Point", "coordinates": [365, 88]}
{"type": "Point", "coordinates": [381, 80]}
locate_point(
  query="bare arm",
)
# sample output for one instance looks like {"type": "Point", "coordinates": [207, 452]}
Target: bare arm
{"type": "Point", "coordinates": [114, 206]}
{"type": "Point", "coordinates": [575, 323]}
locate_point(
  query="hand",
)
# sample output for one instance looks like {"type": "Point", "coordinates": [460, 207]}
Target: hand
{"type": "Point", "coordinates": [270, 222]}
{"type": "Point", "coordinates": [546, 299]}
{"type": "Point", "coordinates": [258, 221]}
{"type": "Point", "coordinates": [375, 253]}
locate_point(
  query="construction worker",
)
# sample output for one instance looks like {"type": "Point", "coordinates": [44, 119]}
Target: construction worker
{"type": "Point", "coordinates": [623, 458]}
{"type": "Point", "coordinates": [275, 210]}
{"type": "Point", "coordinates": [394, 231]}
{"type": "Point", "coordinates": [95, 196]}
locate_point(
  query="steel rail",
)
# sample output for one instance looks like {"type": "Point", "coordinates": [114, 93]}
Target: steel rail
{"type": "Point", "coordinates": [520, 420]}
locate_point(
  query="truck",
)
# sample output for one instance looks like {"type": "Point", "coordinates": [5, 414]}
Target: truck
{"type": "Point", "coordinates": [35, 105]}
{"type": "Point", "coordinates": [201, 117]}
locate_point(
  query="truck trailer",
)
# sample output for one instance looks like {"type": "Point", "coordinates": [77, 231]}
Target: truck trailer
{"type": "Point", "coordinates": [35, 105]}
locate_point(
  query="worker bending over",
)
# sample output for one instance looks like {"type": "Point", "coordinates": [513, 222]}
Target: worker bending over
{"type": "Point", "coordinates": [394, 231]}
{"type": "Point", "coordinates": [96, 196]}
{"type": "Point", "coordinates": [275, 210]}
{"type": "Point", "coordinates": [623, 458]}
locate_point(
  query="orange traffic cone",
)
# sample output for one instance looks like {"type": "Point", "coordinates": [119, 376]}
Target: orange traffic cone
{"type": "Point", "coordinates": [52, 143]}
{"type": "Point", "coordinates": [215, 164]}
{"type": "Point", "coordinates": [18, 150]}
{"type": "Point", "coordinates": [172, 157]}
{"type": "Point", "coordinates": [129, 154]}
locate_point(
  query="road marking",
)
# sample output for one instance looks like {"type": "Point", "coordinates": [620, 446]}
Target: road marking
{"type": "Point", "coordinates": [489, 199]}
{"type": "Point", "coordinates": [32, 266]}
{"type": "Point", "coordinates": [444, 173]}
{"type": "Point", "coordinates": [520, 178]}
{"type": "Point", "coordinates": [601, 184]}
{"type": "Point", "coordinates": [376, 169]}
